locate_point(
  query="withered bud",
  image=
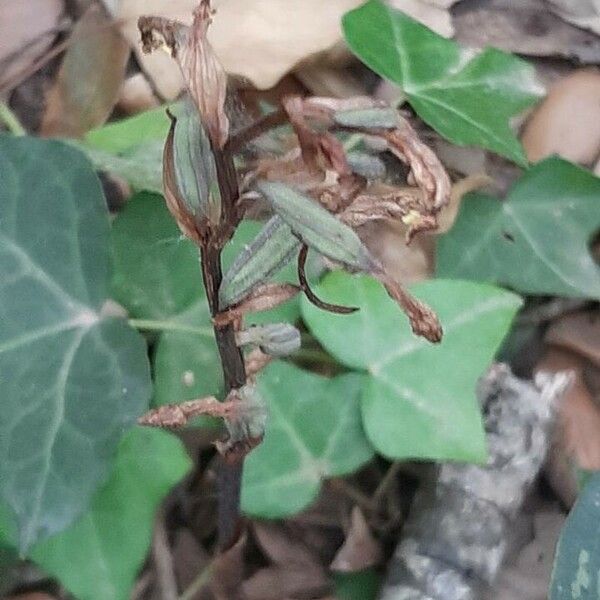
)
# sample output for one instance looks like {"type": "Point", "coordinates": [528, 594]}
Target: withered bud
{"type": "Point", "coordinates": [190, 176]}
{"type": "Point", "coordinates": [202, 72]}
{"type": "Point", "coordinates": [246, 424]}
{"type": "Point", "coordinates": [275, 339]}
{"type": "Point", "coordinates": [255, 362]}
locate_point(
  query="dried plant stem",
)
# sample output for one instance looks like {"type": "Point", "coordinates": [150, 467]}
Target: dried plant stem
{"type": "Point", "coordinates": [229, 475]}
{"type": "Point", "coordinates": [163, 561]}
{"type": "Point", "coordinates": [198, 584]}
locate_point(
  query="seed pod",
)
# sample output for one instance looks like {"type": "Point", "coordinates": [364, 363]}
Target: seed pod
{"type": "Point", "coordinates": [275, 339]}
{"type": "Point", "coordinates": [366, 165]}
{"type": "Point", "coordinates": [190, 176]}
{"type": "Point", "coordinates": [270, 250]}
{"type": "Point", "coordinates": [381, 118]}
{"type": "Point", "coordinates": [317, 228]}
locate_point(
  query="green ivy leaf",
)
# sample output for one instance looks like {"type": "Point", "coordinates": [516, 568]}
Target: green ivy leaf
{"type": "Point", "coordinates": [357, 585]}
{"type": "Point", "coordinates": [467, 97]}
{"type": "Point", "coordinates": [99, 556]}
{"type": "Point", "coordinates": [141, 168]}
{"type": "Point", "coordinates": [131, 148]}
{"type": "Point", "coordinates": [158, 280]}
{"type": "Point", "coordinates": [418, 399]}
{"type": "Point", "coordinates": [576, 573]}
{"type": "Point", "coordinates": [535, 241]}
{"type": "Point", "coordinates": [314, 431]}
{"type": "Point", "coordinates": [71, 378]}
{"type": "Point", "coordinates": [122, 136]}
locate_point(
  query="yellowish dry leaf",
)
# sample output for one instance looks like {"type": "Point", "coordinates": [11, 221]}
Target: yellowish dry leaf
{"type": "Point", "coordinates": [90, 78]}
{"type": "Point", "coordinates": [259, 40]}
{"type": "Point", "coordinates": [567, 122]}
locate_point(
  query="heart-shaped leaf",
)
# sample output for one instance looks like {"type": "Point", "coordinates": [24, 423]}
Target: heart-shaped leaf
{"type": "Point", "coordinates": [576, 572]}
{"type": "Point", "coordinates": [535, 241]}
{"type": "Point", "coordinates": [99, 556]}
{"type": "Point", "coordinates": [71, 378]}
{"type": "Point", "coordinates": [158, 280]}
{"type": "Point", "coordinates": [132, 148]}
{"type": "Point", "coordinates": [314, 431]}
{"type": "Point", "coordinates": [418, 399]}
{"type": "Point", "coordinates": [468, 97]}
{"type": "Point", "coordinates": [122, 136]}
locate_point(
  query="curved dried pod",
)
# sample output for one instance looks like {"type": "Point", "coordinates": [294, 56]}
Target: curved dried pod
{"type": "Point", "coordinates": [190, 177]}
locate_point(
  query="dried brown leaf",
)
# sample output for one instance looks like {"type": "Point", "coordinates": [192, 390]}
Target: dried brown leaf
{"type": "Point", "coordinates": [189, 560]}
{"type": "Point", "coordinates": [402, 140]}
{"type": "Point", "coordinates": [136, 95]}
{"type": "Point", "coordinates": [428, 172]}
{"type": "Point", "coordinates": [461, 188]}
{"type": "Point", "coordinates": [567, 122]}
{"type": "Point", "coordinates": [408, 264]}
{"type": "Point", "coordinates": [227, 571]}
{"type": "Point", "coordinates": [282, 547]}
{"type": "Point", "coordinates": [578, 332]}
{"type": "Point", "coordinates": [27, 30]}
{"type": "Point", "coordinates": [577, 437]}
{"type": "Point", "coordinates": [292, 581]}
{"type": "Point", "coordinates": [90, 77]}
{"type": "Point", "coordinates": [202, 72]}
{"type": "Point", "coordinates": [296, 569]}
{"type": "Point", "coordinates": [396, 205]}
{"type": "Point", "coordinates": [360, 549]}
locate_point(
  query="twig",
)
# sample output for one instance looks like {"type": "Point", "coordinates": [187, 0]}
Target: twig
{"type": "Point", "coordinates": [141, 585]}
{"type": "Point", "coordinates": [386, 481]}
{"type": "Point", "coordinates": [8, 117]}
{"type": "Point", "coordinates": [163, 561]}
{"type": "Point", "coordinates": [355, 495]}
{"type": "Point", "coordinates": [229, 474]}
{"type": "Point", "coordinates": [551, 310]}
{"type": "Point", "coordinates": [256, 129]}
{"type": "Point", "coordinates": [199, 583]}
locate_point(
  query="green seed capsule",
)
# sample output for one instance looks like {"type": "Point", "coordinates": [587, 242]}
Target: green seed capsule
{"type": "Point", "coordinates": [275, 339]}
{"type": "Point", "coordinates": [370, 118]}
{"type": "Point", "coordinates": [318, 228]}
{"type": "Point", "coordinates": [270, 251]}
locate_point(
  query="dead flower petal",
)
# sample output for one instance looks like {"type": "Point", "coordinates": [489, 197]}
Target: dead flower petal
{"type": "Point", "coordinates": [204, 76]}
{"type": "Point", "coordinates": [360, 549]}
{"type": "Point", "coordinates": [423, 320]}
{"type": "Point", "coordinates": [428, 172]}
